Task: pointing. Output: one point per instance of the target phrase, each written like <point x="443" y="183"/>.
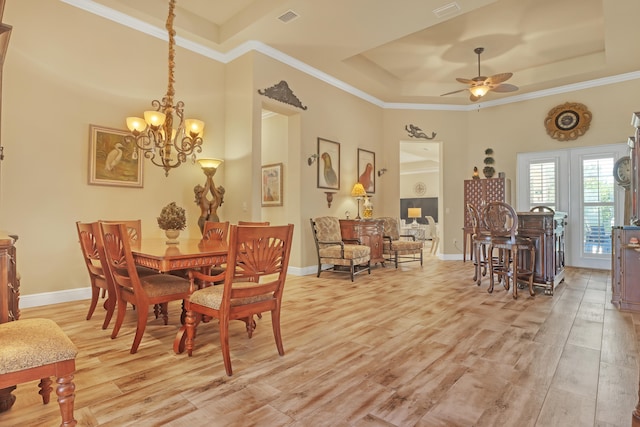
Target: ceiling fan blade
<point x="455" y="91"/>
<point x="464" y="81"/>
<point x="498" y="78"/>
<point x="505" y="87"/>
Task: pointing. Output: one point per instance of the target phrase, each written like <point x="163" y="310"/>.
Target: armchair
<point x="344" y="256"/>
<point x="396" y="248"/>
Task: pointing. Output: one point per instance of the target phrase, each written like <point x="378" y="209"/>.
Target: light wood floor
<point x="413" y="347"/>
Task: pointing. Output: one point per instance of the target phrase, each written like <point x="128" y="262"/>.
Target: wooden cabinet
<point x="625" y="268"/>
<point x="368" y="231"/>
<point x="479" y="192"/>
<point x="547" y="231"/>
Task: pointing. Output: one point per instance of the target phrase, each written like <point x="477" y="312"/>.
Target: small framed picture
<point x="272" y="185"/>
<point x="111" y="160"/>
<point x="366" y="170"/>
<point x="328" y="164"/>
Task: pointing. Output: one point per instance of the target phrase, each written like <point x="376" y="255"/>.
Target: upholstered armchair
<point x="343" y="256"/>
<point x="399" y="248"/>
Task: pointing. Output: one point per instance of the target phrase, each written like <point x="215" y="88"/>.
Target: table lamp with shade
<point x="414" y="213"/>
<point x="358" y="192"/>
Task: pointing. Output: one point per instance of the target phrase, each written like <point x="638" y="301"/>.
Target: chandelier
<point x="155" y="136"/>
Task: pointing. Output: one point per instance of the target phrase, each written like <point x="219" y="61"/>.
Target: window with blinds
<point x="542" y="184"/>
<point x="598" y="204"/>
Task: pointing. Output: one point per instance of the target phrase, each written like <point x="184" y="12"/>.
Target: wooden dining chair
<point x="254" y="223"/>
<point x="88" y="233"/>
<point x="253" y="283"/>
<point x="480" y="241"/>
<point x="130" y="287"/>
<point x="215" y="230"/>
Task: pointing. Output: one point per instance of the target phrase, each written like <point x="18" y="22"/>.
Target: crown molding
<point x="253" y="45"/>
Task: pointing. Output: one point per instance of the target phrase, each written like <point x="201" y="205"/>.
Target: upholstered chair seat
<point x="36" y="349"/>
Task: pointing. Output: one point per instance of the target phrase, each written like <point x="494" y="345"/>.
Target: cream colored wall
<point x="101" y="80"/>
<point x="61" y="75"/>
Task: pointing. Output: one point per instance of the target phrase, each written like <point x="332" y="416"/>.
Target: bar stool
<point x="502" y="222"/>
<point x="480" y="239"/>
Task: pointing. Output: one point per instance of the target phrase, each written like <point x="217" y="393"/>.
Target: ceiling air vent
<point x="288" y="16"/>
<point x="447" y="9"/>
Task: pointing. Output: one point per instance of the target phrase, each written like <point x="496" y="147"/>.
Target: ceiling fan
<point x="480" y="85"/>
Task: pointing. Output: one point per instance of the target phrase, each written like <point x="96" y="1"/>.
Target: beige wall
<point x="65" y="73"/>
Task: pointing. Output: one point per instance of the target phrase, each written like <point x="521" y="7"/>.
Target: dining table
<point x="188" y="253"/>
<point x="157" y="254"/>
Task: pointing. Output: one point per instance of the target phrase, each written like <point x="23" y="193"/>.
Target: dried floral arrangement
<point x="172" y="217"/>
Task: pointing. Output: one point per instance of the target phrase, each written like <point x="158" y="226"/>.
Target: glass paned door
<point x="598" y="205"/>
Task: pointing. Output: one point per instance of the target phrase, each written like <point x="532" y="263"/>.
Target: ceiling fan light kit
<point x="480" y="85"/>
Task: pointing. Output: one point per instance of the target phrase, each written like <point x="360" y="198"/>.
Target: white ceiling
<point x="401" y="51"/>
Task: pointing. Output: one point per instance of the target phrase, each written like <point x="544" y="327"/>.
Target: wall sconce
<point x="382" y="171"/>
<point x="312" y="158"/>
<point x="329" y="197"/>
<point x="209" y="207"/>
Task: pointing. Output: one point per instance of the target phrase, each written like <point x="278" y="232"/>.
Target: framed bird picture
<point x="111" y="160"/>
<point x="328" y="164"/>
<point x="366" y="169"/>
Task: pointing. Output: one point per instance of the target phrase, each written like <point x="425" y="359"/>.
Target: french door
<point x="578" y="181"/>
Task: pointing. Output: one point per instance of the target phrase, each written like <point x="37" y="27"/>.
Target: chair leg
<point x="514" y="269"/>
<point x="140" y="327"/>
<point x="45" y="389"/>
<point x="532" y="251"/>
<point x="66" y="397"/>
<point x="95" y="294"/>
<point x="421" y="258"/>
<point x="191" y="322"/>
<point x="224" y="345"/>
<point x="275" y="324"/>
<point x="122" y="309"/>
<point x="110" y="307"/>
<point x="490" y="257"/>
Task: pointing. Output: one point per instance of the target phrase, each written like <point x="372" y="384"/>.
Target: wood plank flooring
<point x="408" y="347"/>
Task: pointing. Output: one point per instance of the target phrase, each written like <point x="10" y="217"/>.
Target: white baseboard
<point x="47" y="298"/>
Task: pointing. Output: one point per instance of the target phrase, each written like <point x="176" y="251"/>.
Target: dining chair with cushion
<point x="399" y="248"/>
<point x="517" y="254"/>
<point x="38" y="349"/>
<point x="100" y="282"/>
<point x="257" y="262"/>
<point x="342" y="256"/>
<point x="130" y="287"/>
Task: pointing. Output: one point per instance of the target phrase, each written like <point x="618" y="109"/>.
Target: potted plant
<point x="172" y="219"/>
<point x="488" y="169"/>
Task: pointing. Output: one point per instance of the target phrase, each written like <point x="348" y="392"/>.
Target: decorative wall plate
<point x="568" y="121"/>
<point x="420" y="188"/>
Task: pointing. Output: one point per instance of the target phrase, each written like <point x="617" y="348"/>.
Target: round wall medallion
<point x="420" y="188"/>
<point x="568" y="121"/>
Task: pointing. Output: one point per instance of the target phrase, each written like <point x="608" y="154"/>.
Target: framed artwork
<point x="111" y="160"/>
<point x="328" y="164"/>
<point x="272" y="185"/>
<point x="366" y="170"/>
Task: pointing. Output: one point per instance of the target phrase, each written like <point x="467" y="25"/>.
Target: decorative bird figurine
<point x="114" y="157"/>
<point x="330" y="176"/>
<point x="366" y="179"/>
